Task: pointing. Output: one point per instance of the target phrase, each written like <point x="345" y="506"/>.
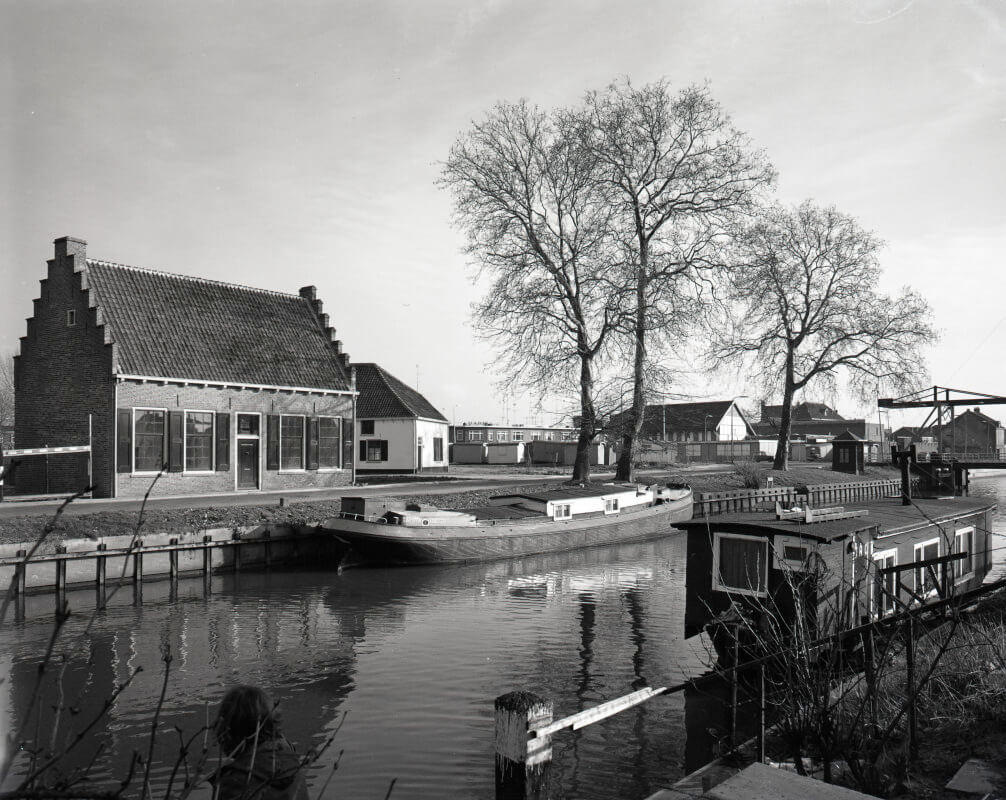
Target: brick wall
<point x="133" y="394"/>
<point x="64" y="372"/>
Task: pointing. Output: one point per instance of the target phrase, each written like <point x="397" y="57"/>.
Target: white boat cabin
<point x="579" y="502"/>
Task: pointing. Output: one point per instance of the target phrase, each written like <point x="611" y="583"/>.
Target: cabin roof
<point x="888" y="516"/>
<point x="571" y="493"/>
<point x="500" y="512"/>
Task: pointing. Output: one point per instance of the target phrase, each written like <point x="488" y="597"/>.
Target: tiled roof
<point x="658" y="419"/>
<point x="176" y="326"/>
<point x="382" y="395"/>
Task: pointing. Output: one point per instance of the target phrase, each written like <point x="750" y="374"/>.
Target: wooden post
<point x="870" y="667"/>
<point x="734" y="680"/>
<point x="913" y="743"/>
<point x="173" y="564"/>
<point x="138" y="573"/>
<point x="60" y="576"/>
<point x="522" y="762"/>
<point x="236" y="538"/>
<point x="99" y="576"/>
<point x="21" y="573"/>
<point x="906" y="480"/>
<point x="761" y="713"/>
<point x="268" y="548"/>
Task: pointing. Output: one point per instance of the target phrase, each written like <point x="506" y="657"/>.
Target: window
<point x="503" y="435"/>
<point x="474" y="436"/>
<point x="248" y="424"/>
<point x="375" y="450"/>
<point x="611" y="505"/>
<point x="366" y="427"/>
<point x="843" y="455"/>
<point x="561" y="511"/>
<point x="198" y="441"/>
<point x="924" y="584"/>
<point x="438" y="448"/>
<point x="291" y="442"/>
<point x="740" y="564"/>
<point x="964" y="542"/>
<point x="885" y="587"/>
<point x="149" y="434"/>
<point x="71" y="318"/>
<point x="329" y="442"/>
<point x="518" y="436"/>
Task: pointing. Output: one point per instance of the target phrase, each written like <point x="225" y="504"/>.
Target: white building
<point x="398" y="430"/>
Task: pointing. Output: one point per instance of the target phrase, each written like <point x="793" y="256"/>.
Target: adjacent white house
<point x="398" y="430"/>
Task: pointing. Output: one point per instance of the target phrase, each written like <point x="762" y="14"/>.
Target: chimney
<point x="344" y="357"/>
<point x="71" y="247"/>
<point x="309" y="292"/>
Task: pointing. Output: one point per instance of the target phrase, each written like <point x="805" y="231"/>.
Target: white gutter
<point x="258" y="387"/>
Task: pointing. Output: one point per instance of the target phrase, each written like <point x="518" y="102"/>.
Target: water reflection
<point x="412" y="656"/>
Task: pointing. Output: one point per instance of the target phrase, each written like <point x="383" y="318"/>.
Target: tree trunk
<point x="588" y="421"/>
<point x="786" y="421"/>
<point x="638" y="410"/>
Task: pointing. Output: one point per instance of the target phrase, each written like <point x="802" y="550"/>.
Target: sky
<point x="278" y="145"/>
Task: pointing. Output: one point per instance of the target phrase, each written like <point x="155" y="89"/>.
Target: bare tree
<point x="526" y="195"/>
<point x="805" y="309"/>
<point x="6" y="389"/>
<point x="677" y="171"/>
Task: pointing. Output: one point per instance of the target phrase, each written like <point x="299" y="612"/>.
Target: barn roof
<point x="382" y="395"/>
<point x="181" y="327"/>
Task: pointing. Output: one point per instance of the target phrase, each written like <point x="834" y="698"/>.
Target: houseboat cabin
<point x="579" y="503"/>
<point x="758" y="563"/>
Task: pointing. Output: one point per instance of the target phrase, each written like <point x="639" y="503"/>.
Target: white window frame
<point x="562" y="511"/>
<point x="185" y="441"/>
<point x="341" y="445"/>
<point x="303" y="445"/>
<point x="255" y="437"/>
<point x="719" y="536"/>
<point x="132" y="450"/>
<point x="610" y="505"/>
<point x="965" y="576"/>
<point x="878" y="558"/>
<point x="436" y="439"/>
<point x="518" y="436"/>
<point x="474" y="436"/>
<point x="918" y="552"/>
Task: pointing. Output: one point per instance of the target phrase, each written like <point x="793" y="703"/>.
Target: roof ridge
<point x="106" y="263"/>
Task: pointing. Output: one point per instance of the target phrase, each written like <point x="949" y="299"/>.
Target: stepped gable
<point x="382" y="395"/>
<point x="181" y="327"/>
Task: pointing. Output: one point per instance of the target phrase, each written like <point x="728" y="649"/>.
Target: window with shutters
<point x="149" y="431"/>
<point x="740" y="564"/>
<point x="438" y="448"/>
<point x="329" y="442"/>
<point x="291" y="442"/>
<point x="374" y="450"/>
<point x="198" y="441"/>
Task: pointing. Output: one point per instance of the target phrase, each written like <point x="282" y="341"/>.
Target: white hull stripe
<point x="45" y="451"/>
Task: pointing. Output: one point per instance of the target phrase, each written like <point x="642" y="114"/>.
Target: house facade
<point x="714" y="421"/>
<point x="970" y="432"/>
<point x="181" y="385"/>
<point x="399" y="430"/>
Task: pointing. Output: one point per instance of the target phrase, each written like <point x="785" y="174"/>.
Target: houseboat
<point x="379" y="530"/>
<point x="863" y="562"/>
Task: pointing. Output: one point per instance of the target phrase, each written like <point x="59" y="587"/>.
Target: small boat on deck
<point x="385" y="531"/>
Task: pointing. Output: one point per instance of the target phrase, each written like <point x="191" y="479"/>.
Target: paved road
<point x="20" y="508"/>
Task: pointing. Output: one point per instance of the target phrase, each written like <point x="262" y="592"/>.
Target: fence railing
<point x="742" y="500"/>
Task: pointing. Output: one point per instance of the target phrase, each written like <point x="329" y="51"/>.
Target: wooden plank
<point x="603" y="711"/>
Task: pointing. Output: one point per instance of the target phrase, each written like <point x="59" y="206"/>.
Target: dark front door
<point x="247" y="463"/>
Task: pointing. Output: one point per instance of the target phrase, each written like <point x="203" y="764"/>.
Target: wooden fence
<point x="747" y="500"/>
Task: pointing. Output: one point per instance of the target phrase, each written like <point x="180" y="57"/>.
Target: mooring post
<point x="60" y="575"/>
<point x="913" y="743"/>
<point x="173" y="563"/>
<point x="522" y="762"/>
<point x="99" y="576"/>
<point x="21" y="573"/>
<point x="268" y="548"/>
<point x="207" y="560"/>
<point x="236" y="539"/>
<point x="906" y="479"/>
<point x="138" y="573"/>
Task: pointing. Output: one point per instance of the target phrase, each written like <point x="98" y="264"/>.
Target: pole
<point x="913" y="742"/>
<point x="522" y="762"/>
<point x="761" y="713"/>
<point x="90" y="456"/>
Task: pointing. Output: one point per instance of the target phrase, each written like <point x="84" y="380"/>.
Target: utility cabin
<point x="843" y="566"/>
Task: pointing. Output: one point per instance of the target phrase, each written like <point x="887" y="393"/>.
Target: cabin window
<point x="291" y="443"/>
<point x="740" y="564"/>
<point x="964" y="542"/>
<point x="438" y="448"/>
<point x="924" y="584"/>
<point x="329" y="442"/>
<point x="561" y="511"/>
<point x="366" y="427"/>
<point x="885" y="587"/>
<point x="611" y="505"/>
<point x="198" y="441"/>
<point x="148" y="434"/>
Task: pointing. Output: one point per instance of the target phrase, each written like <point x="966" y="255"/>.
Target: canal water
<point x="402" y="665"/>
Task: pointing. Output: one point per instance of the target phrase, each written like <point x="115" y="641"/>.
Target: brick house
<point x="400" y="431"/>
<point x="214" y="386"/>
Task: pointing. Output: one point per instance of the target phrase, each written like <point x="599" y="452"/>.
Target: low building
<point x="712" y="421"/>
<point x="181" y="385"/>
<point x="486" y="432"/>
<point x="399" y="430"/>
